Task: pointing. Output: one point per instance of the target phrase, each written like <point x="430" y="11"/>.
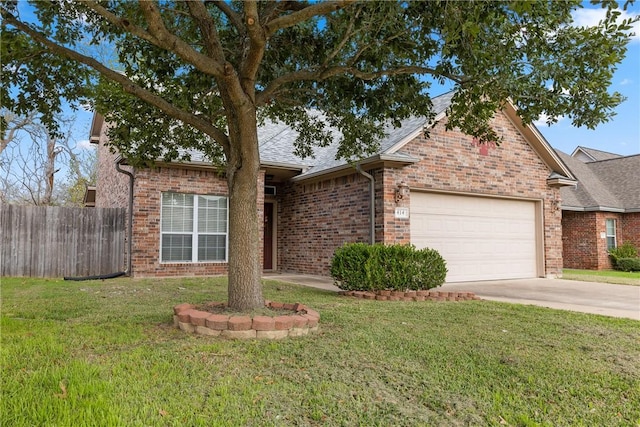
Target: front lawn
<point x="604" y="276"/>
<point x="105" y="353"/>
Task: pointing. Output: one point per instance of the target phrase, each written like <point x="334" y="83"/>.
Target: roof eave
<point x="595" y="209"/>
<point x="285" y="166"/>
<point x="385" y="159"/>
<point x="561" y="182"/>
<point x="538" y="142"/>
<point x="96" y="128"/>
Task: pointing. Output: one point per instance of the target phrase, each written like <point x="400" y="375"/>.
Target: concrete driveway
<point x="585" y="297"/>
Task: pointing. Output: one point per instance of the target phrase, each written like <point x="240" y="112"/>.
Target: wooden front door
<point x="268" y="237"/>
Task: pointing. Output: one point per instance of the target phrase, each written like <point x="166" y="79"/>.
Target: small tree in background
<point x="41" y="168"/>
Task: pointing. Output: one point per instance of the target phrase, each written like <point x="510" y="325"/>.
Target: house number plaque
<point x="402" y="213"/>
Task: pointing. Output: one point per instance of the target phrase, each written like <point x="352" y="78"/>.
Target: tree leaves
<point x="362" y="65"/>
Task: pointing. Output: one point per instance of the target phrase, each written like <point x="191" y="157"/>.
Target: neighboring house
<point x="493" y="212"/>
<point x="603" y="210"/>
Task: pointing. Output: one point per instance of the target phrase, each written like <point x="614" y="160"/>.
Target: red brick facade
<point x="318" y="217"/>
<point x="113" y="187"/>
<point x="450" y="161"/>
<point x="315" y="217"/>
<point x="630" y="228"/>
<point x="582" y="242"/>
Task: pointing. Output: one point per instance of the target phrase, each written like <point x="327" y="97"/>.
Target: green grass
<point x="105" y="353"/>
<point x="604" y="276"/>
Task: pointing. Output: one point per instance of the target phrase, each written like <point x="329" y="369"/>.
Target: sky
<point x="621" y="135"/>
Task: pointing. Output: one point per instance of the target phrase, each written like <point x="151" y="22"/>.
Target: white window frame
<point x="194" y="232"/>
<point x="610" y="236"/>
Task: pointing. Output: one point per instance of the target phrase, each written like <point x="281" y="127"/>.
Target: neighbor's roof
<point x="611" y="185"/>
<point x="592" y="154"/>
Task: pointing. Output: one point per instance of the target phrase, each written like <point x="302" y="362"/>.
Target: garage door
<point x="481" y="238"/>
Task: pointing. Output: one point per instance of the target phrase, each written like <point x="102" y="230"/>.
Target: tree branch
<point x="255" y="51"/>
<point x="127" y="84"/>
<point x="345" y="38"/>
<point x="18" y="123"/>
<point x="159" y="36"/>
<point x="327" y="73"/>
<point x="315" y="9"/>
<point x="231" y="14"/>
<point x="207" y="29"/>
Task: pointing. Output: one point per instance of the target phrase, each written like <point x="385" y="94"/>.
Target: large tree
<point x="203" y="73"/>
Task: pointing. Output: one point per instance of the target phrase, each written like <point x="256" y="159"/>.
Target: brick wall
<point x="112" y="190"/>
<point x="390" y="229"/>
<point x="629" y="227"/>
<point x="583" y="246"/>
<point x="314" y="219"/>
<point x="579" y="240"/>
<point x="148" y="188"/>
<point x="604" y="262"/>
<point x="451" y="162"/>
<point x="112" y="187"/>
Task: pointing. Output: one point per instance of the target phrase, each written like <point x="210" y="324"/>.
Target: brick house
<point x="493" y="212"/>
<point x="603" y="210"/>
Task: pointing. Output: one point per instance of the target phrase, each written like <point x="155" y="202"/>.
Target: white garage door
<point x="481" y="238"/>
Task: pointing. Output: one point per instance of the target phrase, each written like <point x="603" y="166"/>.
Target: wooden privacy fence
<point x="40" y="241"/>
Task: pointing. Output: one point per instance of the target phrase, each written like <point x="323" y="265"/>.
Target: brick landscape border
<point x="300" y="322"/>
<point x="412" y="295"/>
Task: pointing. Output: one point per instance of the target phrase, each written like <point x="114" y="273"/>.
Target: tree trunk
<point x="243" y="166"/>
<point x="49" y="171"/>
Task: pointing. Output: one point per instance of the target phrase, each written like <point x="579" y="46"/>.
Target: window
<point x="193" y="228"/>
<point x="611" y="233"/>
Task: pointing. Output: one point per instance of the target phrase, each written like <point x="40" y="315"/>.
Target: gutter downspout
<point x="372" y="204"/>
<point x="130" y="215"/>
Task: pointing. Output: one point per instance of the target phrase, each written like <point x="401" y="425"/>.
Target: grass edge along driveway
<point x="105" y="353"/>
<point x="603" y="276"/>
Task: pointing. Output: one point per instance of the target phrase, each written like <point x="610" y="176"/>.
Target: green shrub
<point x="624" y="251"/>
<point x="363" y="267"/>
<point x="628" y="264"/>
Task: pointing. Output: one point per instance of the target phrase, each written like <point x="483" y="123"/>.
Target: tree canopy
<point x="205" y="72"/>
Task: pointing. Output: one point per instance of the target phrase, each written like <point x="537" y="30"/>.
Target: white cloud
<point x="84" y="145"/>
<point x="625" y="82"/>
<point x="591" y="17"/>
<point x="543" y="119"/>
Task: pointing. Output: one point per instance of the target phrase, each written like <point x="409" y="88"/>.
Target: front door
<point x="268" y="237"/>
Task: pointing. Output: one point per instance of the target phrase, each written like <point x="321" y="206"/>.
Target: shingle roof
<point x="605" y="185"/>
<point x="276" y="142"/>
<point x="595" y="155"/>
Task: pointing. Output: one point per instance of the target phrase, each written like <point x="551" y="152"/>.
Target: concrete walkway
<point x="586" y="297"/>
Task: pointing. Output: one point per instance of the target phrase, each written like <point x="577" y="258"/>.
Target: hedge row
<point x="363" y="267"/>
<point x="628" y="264"/>
<point x="625" y="257"/>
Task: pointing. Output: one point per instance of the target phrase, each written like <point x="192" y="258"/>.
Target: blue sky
<point x="620" y="135"/>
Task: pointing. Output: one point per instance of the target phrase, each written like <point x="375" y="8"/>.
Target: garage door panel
<point x="480" y="238"/>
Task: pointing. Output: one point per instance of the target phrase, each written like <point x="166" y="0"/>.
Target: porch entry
<point x="268" y="237"/>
